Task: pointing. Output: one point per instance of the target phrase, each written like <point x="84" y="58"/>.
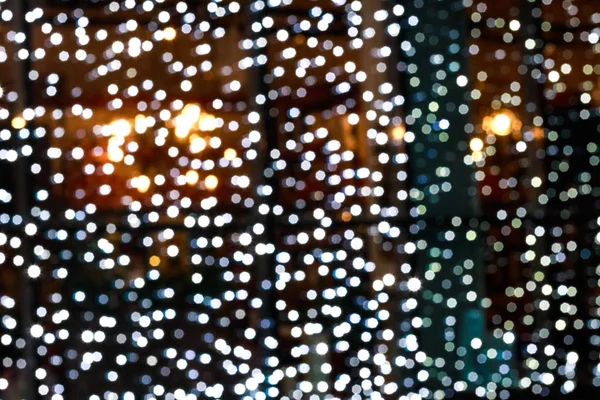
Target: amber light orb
<point x="18" y="123"/>
<point x="501" y="123"/>
<point x="207" y="122"/>
<point x="398" y="133"/>
<point x="476" y="144"/>
<point x="141" y="183"/>
<point x="211" y="182"/>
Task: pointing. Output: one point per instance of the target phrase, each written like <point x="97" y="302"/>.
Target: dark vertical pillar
<point x="443" y="202"/>
<point x="532" y="47"/>
<point x="23" y="200"/>
<point x="267" y="192"/>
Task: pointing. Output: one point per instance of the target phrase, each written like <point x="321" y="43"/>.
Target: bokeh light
<point x="288" y="199"/>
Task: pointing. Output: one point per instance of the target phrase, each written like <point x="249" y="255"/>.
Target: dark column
<point x="265" y="177"/>
<point x="444" y="247"/>
<point x="23" y="200"/>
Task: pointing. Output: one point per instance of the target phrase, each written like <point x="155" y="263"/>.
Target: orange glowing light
<point x="538" y="132"/>
<point x="155" y="261"/>
<point x="207" y="122"/>
<point x="140" y="124"/>
<point x="141" y="183"/>
<point x="18" y="123"/>
<point x="192" y="177"/>
<point x="211" y="182"/>
<point x="230" y="154"/>
<point x="197" y="144"/>
<point x="170" y="33"/>
<point x="476" y="144"/>
<point x="398" y="133"/>
<point x="182" y="131"/>
<point x="120" y="127"/>
<point x="501" y="125"/>
<point x="115" y="154"/>
<point x="192" y="110"/>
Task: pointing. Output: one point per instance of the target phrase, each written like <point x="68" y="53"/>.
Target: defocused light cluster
<point x="335" y="199"/>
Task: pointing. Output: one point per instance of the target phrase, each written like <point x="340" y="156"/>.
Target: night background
<point x="299" y="199"/>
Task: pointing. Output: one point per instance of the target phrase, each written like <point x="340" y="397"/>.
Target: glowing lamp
<point x="18" y="123"/>
<point x="197" y="144"/>
<point x="170" y="33"/>
<point x="192" y="111"/>
<point x="140" y="124"/>
<point x="141" y="183"/>
<point x="398" y="133"/>
<point x="192" y="177"/>
<point x="115" y="154"/>
<point x="476" y="144"/>
<point x="211" y="182"/>
<point x="230" y="154"/>
<point x="502" y="123"/>
<point x="120" y="127"/>
<point x="207" y="123"/>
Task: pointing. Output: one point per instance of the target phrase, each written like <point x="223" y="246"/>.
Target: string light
<point x="345" y="193"/>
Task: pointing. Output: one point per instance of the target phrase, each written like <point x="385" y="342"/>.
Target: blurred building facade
<point x="298" y="199"/>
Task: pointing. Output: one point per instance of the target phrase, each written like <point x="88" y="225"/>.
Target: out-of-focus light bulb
<point x="115" y="154"/>
<point x="501" y="124"/>
<point x="398" y="133"/>
<point x="140" y="124"/>
<point x="192" y="177"/>
<point x="120" y="127"/>
<point x="207" y="122"/>
<point x="197" y="144"/>
<point x="192" y="110"/>
<point x="18" y="123"/>
<point x="230" y="154"/>
<point x="211" y="182"/>
<point x="476" y="144"/>
<point x="141" y="183"/>
<point x="170" y="33"/>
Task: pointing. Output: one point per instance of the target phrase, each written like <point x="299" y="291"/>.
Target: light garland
<point x="344" y="199"/>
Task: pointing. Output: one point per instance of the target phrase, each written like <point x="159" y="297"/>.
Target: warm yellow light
<point x="182" y="131"/>
<point x="197" y="144"/>
<point x="155" y="261"/>
<point x="230" y="154"/>
<point x="141" y="183"/>
<point x="211" y="182"/>
<point x="398" y="133"/>
<point x="476" y="144"/>
<point x="140" y="123"/>
<point x="477" y="156"/>
<point x="207" y="122"/>
<point x="192" y="110"/>
<point x="116" y="141"/>
<point x="501" y="124"/>
<point x="170" y="33"/>
<point x="18" y="123"/>
<point x="115" y="154"/>
<point x="538" y="132"/>
<point x="192" y="177"/>
<point x="1" y="92"/>
<point x="120" y="127"/>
